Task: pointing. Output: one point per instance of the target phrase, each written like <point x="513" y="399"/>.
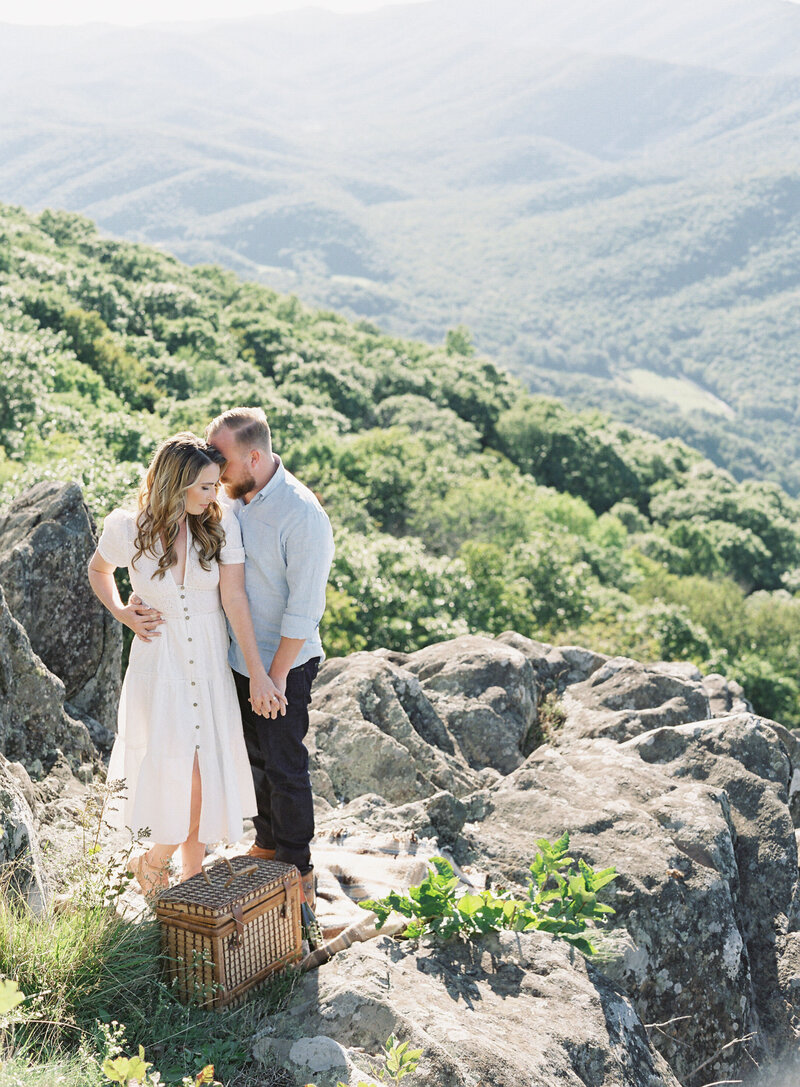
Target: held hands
<point x="142" y="620"/>
<point x="267" y="696"/>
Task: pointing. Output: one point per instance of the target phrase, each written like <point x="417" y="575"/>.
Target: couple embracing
<point x="213" y="714"/>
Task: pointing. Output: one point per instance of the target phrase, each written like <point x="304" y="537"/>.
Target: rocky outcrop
<point x="374" y="730"/>
<point x="482" y="1013"/>
<point x="20" y="860"/>
<point x="698" y="975"/>
<point x="46" y="539"/>
<point x="692" y="805"/>
<point x="696" y="820"/>
<point x="623" y="698"/>
<point x="450" y="718"/>
<point x="34" y="726"/>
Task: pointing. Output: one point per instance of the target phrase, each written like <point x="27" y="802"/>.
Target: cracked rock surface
<point x="514" y="1009"/>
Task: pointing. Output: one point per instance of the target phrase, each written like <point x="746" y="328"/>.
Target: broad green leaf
<point x="11" y="996"/>
<point x="115" y="1071"/>
<point x="582" y="944"/>
<point x="561" y="845"/>
<point x="442" y="866"/>
<point x="469" y="904"/>
<point x="600" y="879"/>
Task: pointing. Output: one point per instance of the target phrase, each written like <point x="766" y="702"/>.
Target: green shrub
<point x="561" y="899"/>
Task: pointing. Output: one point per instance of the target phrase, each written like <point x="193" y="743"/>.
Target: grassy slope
<point x="460" y="502"/>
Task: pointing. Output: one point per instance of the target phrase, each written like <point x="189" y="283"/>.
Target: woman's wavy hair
<point x="177" y="463"/>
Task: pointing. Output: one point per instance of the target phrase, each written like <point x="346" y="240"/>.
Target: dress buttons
<point x="191" y="662"/>
<point x="193" y="683"/>
<point x="197" y="747"/>
<point x="194" y="704"/>
<point x="188" y="640"/>
<point x="187" y="618"/>
<point x="197" y="726"/>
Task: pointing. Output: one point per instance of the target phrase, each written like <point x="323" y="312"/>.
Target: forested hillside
<point x="607" y="195"/>
<point x="460" y="502"/>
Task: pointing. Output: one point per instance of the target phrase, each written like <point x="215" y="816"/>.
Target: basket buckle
<point x="238" y="917"/>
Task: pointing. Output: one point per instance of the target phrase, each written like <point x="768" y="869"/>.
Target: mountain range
<point x="607" y="196"/>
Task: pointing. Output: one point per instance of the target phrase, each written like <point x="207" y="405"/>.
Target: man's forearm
<point x="238" y="612"/>
<point x="283" y="661"/>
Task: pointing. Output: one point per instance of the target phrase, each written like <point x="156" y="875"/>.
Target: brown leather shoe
<point x="309" y="887"/>
<point x="257" y="850"/>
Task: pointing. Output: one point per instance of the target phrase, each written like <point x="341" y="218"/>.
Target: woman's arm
<point x="101" y="579"/>
<point x="265" y="698"/>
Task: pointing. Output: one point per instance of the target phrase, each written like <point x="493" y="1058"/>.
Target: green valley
<point x="460" y="501"/>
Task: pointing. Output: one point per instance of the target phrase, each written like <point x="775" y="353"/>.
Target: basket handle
<point x="235" y="875"/>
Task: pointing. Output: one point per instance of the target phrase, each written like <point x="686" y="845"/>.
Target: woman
<point x="179" y="743"/>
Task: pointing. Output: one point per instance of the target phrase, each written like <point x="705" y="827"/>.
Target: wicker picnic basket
<point x="230" y="927"/>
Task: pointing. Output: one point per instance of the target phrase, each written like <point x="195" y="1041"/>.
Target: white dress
<point x="178" y="699"/>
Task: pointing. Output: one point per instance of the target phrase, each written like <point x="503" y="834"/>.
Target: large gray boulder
<point x="47" y="537"/>
<point x="695" y="818"/>
<point x="743" y="760"/>
<point x="450" y="717"/>
<point x="556" y="667"/>
<point x="374" y="730"/>
<point x="623" y="698"/>
<point x="20" y="860"/>
<point x="512" y="1009"/>
<point x="34" y="726"/>
<point x="486" y="694"/>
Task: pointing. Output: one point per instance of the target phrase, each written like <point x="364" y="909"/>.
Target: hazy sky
<point x="131" y="12"/>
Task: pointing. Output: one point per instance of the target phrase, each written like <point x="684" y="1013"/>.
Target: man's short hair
<point x="249" y="424"/>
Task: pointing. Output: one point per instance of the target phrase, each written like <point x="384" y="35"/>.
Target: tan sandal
<point x="152" y="879"/>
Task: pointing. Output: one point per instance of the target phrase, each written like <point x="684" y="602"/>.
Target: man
<point x="289" y="549"/>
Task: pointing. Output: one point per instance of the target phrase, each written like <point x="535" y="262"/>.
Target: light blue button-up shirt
<point x="288" y="544"/>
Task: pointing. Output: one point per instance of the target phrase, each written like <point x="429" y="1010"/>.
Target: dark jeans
<point x="279" y="761"/>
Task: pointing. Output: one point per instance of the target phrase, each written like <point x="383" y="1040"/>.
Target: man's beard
<point x="240" y="489"/>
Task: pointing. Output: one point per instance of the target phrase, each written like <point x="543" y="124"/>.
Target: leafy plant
<point x="400" y="1061"/>
<point x="561" y="899"/>
<point x="136" y="1071"/>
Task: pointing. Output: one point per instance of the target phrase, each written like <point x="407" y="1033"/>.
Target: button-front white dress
<point x="178" y="699"/>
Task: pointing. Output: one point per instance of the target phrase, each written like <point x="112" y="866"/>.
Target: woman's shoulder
<point x="229" y="519"/>
<point x="116" y="543"/>
<point x="232" y="549"/>
<point x="121" y="519"/>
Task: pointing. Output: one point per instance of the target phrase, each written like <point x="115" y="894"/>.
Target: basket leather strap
<point x="288" y="881"/>
<point x="238" y="917"/>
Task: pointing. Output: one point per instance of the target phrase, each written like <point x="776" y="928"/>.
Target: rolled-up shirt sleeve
<point x="309" y="553"/>
<point x="233" y="549"/>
